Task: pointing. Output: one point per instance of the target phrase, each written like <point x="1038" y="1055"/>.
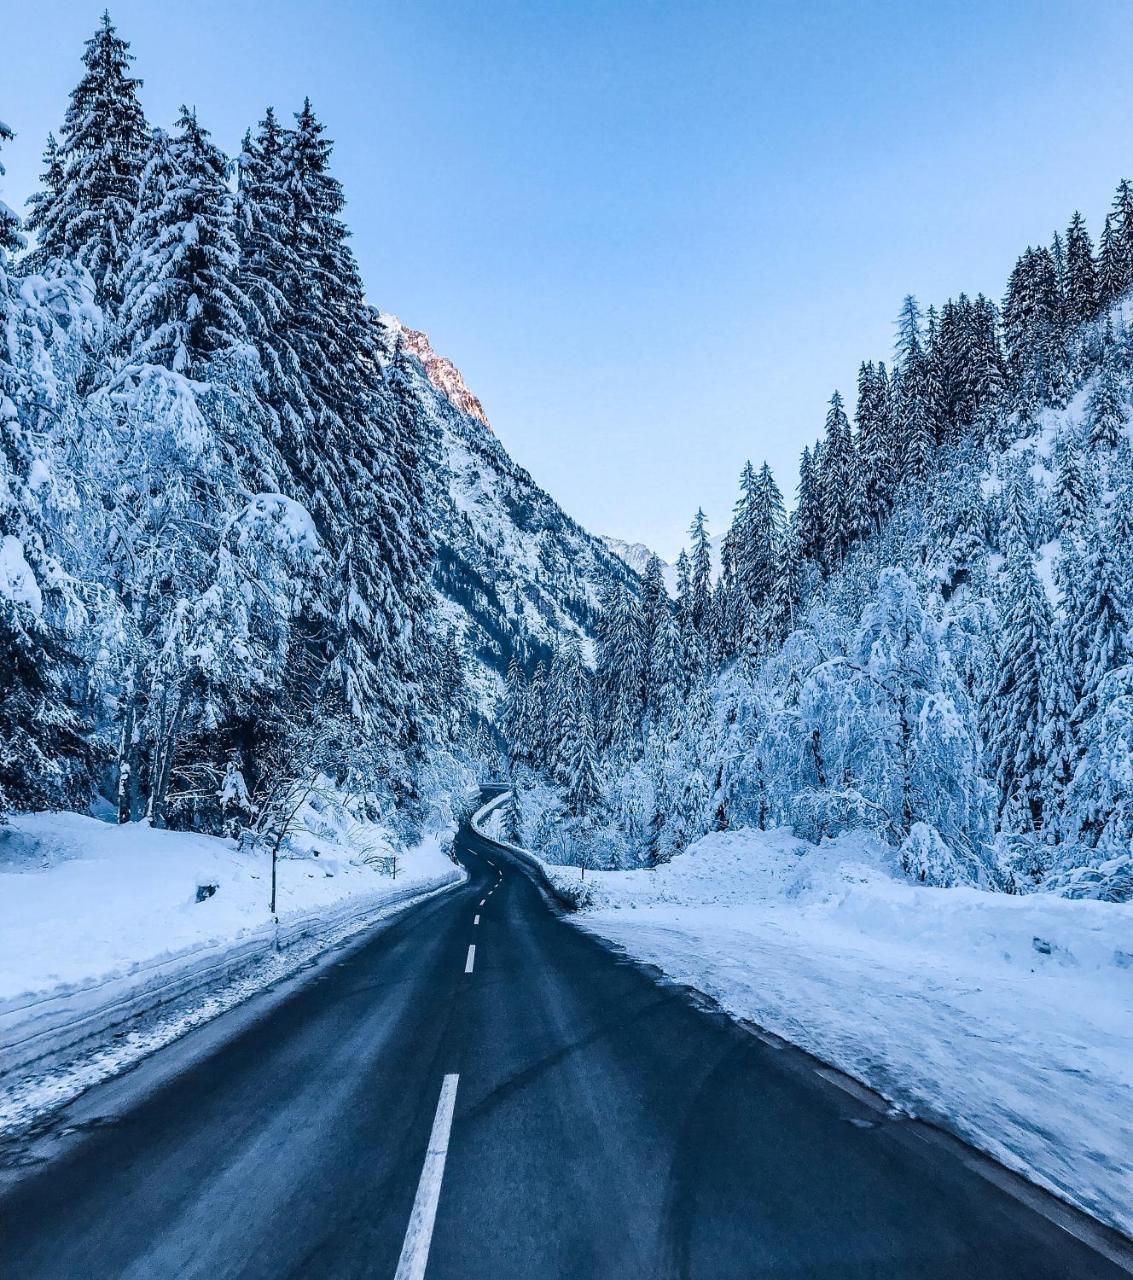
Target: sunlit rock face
<point x="442" y="373"/>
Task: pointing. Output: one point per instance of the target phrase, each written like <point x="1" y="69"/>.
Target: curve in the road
<point x="598" y="1124"/>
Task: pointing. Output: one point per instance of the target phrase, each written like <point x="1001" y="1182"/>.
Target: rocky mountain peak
<point x="441" y="371"/>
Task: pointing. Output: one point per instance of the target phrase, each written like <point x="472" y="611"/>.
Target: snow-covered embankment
<point x="1007" y="1020"/>
<point x="114" y="940"/>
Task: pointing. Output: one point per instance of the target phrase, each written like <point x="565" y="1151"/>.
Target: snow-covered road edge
<point x="55" y="1045"/>
<point x="631" y="936"/>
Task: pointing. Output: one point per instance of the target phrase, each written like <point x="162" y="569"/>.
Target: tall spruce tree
<point x="840" y="486"/>
<point x="654" y="599"/>
<point x="182" y="302"/>
<point x="808" y="507"/>
<point x="1106" y="405"/>
<point x="1016" y="717"/>
<point x="1081" y="273"/>
<point x="584" y="788"/>
<point x="270" y="273"/>
<point x="1034" y="337"/>
<point x="621" y="672"/>
<point x="103" y="143"/>
<point x="1112" y="274"/>
<point x="700" y="573"/>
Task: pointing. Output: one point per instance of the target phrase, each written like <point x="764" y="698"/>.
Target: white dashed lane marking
<point x="419" y="1233"/>
<point x="476" y="921"/>
<point x="471" y="959"/>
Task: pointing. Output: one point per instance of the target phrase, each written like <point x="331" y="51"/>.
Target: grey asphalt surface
<point x="605" y="1126"/>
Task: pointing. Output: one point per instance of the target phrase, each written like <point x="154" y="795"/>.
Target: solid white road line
<point x="471" y="959"/>
<point x="419" y="1233"/>
<point x="476" y="921"/>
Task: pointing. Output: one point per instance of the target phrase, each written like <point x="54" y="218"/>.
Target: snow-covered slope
<point x="1007" y="1019"/>
<point x="516" y="573"/>
<point x="636" y="554"/>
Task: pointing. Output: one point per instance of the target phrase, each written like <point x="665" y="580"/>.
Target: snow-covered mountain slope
<point x="442" y="373"/>
<point x="637" y="555"/>
<point x="515" y="572"/>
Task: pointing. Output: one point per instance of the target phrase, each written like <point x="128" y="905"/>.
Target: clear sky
<point x="654" y="236"/>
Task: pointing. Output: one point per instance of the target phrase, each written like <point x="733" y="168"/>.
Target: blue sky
<point x="653" y="236"/>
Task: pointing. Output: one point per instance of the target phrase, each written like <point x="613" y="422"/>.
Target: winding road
<point x="479" y="1090"/>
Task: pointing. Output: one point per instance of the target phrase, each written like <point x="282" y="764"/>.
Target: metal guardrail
<point x="46" y="1028"/>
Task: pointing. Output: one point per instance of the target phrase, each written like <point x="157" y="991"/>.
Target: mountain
<point x="637" y="555"/>
<point x="441" y="372"/>
<point x="516" y="574"/>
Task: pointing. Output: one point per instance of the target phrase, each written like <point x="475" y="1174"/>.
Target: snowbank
<point x="1008" y="1020"/>
<point x="100" y="924"/>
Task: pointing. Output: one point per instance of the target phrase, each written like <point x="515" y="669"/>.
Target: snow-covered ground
<point x="113" y="940"/>
<point x="1008" y="1020"/>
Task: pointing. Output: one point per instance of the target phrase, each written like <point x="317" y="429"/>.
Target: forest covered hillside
<point x="933" y="646"/>
<point x="253" y="532"/>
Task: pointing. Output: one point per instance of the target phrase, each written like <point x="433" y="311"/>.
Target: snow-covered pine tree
<point x="1102" y="638"/>
<point x="512" y="821"/>
<point x="584" y="788"/>
<point x="514" y="717"/>
<point x="182" y="301"/>
<point x="1107" y="402"/>
<point x="1017" y="730"/>
<point x="684" y="588"/>
<point x="840" y="486"/>
<point x="654" y="599"/>
<point x="666" y="677"/>
<point x="785" y="603"/>
<point x="269" y="273"/>
<point x="386" y="477"/>
<point x="1081" y="273"/>
<point x="873" y="439"/>
<point x="737" y="553"/>
<point x="1059" y="698"/>
<point x="1071" y="496"/>
<point x="101" y="153"/>
<point x="621" y="673"/>
<point x="564" y="687"/>
<point x="1110" y="265"/>
<point x="52" y="179"/>
<point x="537" y="715"/>
<point x="700" y="580"/>
<point x="808" y="507"/>
<point x="1034" y="339"/>
<point x="1121" y="272"/>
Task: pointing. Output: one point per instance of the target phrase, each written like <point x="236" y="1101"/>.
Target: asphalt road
<point x="601" y="1125"/>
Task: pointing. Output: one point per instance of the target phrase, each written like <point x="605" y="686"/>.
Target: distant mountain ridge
<point x="637" y="555"/>
<point x="515" y="573"/>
